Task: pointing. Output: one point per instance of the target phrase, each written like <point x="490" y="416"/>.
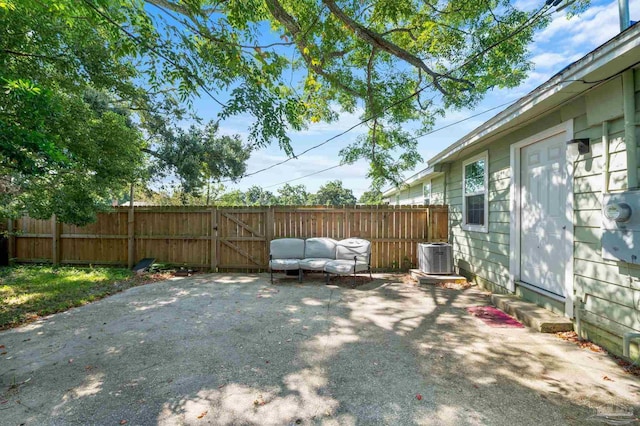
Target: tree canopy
<point x="281" y="64"/>
<point x="394" y="61"/>
<point x="197" y="156"/>
<point x="372" y="197"/>
<point x="79" y="121"/>
<point x="333" y="194"/>
<point x="292" y="195"/>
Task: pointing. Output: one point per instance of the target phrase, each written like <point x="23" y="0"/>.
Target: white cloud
<point x="299" y="166"/>
<point x="564" y="41"/>
<point x="583" y="32"/>
<point x="527" y="5"/>
<point x="355" y="174"/>
<point x="548" y="60"/>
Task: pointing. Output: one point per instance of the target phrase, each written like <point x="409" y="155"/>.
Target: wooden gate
<point x="241" y="239"/>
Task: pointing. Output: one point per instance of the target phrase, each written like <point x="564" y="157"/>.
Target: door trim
<point x="515" y="207"/>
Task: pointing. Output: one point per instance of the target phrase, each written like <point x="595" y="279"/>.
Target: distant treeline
<point x="331" y="194"/>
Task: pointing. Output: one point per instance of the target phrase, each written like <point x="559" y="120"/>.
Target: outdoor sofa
<point x="326" y="255"/>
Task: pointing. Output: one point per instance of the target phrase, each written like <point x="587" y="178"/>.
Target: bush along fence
<point x="224" y="238"/>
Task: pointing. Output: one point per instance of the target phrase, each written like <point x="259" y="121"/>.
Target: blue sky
<point x="559" y="44"/>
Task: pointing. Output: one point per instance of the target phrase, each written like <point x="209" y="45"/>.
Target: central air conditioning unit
<point x="435" y="258"/>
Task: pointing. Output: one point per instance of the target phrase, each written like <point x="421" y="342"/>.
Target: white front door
<point x="543" y="214"/>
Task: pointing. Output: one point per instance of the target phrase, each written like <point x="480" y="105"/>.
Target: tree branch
<point x="155" y="50"/>
<point x="208" y="36"/>
<point x="401" y="30"/>
<point x="376" y="39"/>
<point x="371" y="101"/>
<point x="152" y="153"/>
<point x="289" y="22"/>
<point x="180" y="8"/>
<point x="32" y="55"/>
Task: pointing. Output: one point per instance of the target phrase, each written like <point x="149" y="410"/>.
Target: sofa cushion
<point x="345" y="266"/>
<point x="314" y="264"/>
<point x="287" y="248"/>
<point x="284" y="264"/>
<point x="347" y="249"/>
<point x="321" y="248"/>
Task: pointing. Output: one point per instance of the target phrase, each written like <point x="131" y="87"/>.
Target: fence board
<point x="228" y="238"/>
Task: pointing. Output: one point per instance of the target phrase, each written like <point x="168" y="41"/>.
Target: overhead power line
<point x="430" y="132"/>
<point x="528" y="120"/>
<point x="415" y="137"/>
<point x="310" y="174"/>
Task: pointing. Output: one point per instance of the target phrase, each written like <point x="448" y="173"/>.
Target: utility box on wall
<point x="621" y="227"/>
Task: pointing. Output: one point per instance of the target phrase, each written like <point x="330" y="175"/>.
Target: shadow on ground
<point x="234" y="349"/>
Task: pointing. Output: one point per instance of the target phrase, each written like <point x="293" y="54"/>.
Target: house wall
<point x="409" y="195"/>
<point x="412" y="194"/>
<point x="607" y="292"/>
<point x="437" y="190"/>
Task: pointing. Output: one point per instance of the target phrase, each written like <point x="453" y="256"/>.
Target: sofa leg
<point x="370" y="276"/>
<point x="299" y="275"/>
<point x="326" y="278"/>
<point x="271" y="272"/>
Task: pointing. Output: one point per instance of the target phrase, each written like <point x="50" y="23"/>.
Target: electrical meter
<point x="618" y="212"/>
<point x="621" y="226"/>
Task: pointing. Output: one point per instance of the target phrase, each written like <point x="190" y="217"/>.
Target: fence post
<point x="429" y="225"/>
<point x="445" y="223"/>
<point x="214" y="238"/>
<point x="11" y="246"/>
<point x="268" y="229"/>
<point x="345" y="218"/>
<point x="131" y="247"/>
<point x="55" y="240"/>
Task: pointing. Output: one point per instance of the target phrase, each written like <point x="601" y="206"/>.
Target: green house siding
<point x="437" y="190"/>
<point x="607" y="293"/>
<point x="484" y="257"/>
<point x="413" y="193"/>
<point x="409" y="195"/>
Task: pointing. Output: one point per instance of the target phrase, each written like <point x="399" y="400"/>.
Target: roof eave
<point x="563" y="82"/>
<point x="423" y="175"/>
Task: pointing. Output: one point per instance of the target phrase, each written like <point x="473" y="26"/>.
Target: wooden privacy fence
<point x="224" y="238"/>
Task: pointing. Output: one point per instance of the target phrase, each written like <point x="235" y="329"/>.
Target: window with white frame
<point x="426" y="193"/>
<point x="475" y="200"/>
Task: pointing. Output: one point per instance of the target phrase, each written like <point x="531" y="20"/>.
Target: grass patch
<point x="28" y="292"/>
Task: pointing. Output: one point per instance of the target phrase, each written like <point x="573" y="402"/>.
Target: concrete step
<point x="423" y="278"/>
<point x="531" y="314"/>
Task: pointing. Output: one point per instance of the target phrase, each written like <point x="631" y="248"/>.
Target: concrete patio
<point x="232" y="349"/>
